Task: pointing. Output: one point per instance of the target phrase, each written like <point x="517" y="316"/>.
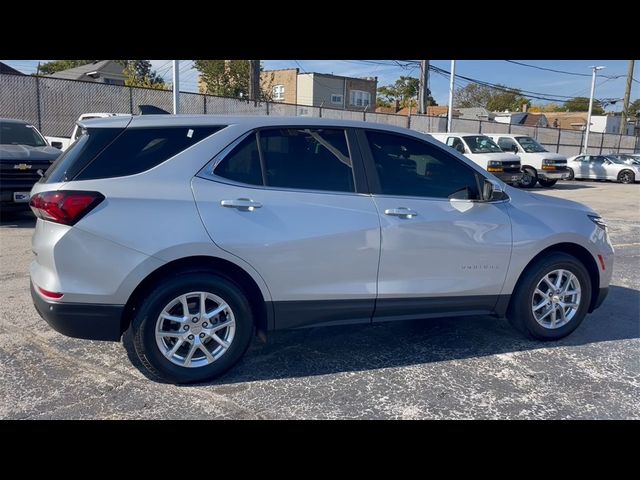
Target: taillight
<point x="64" y="206"/>
<point x="51" y="295"/>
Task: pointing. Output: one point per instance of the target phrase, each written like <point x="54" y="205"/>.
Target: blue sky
<point x="556" y="85"/>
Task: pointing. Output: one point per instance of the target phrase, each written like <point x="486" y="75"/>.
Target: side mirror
<point x="514" y="148"/>
<point x="57" y="145"/>
<point x="460" y="148"/>
<point x="492" y="191"/>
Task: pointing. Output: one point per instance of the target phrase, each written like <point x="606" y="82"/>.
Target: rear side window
<point x="139" y="149"/>
<point x="243" y="163"/>
<point x="80" y="153"/>
<point x="307" y="158"/>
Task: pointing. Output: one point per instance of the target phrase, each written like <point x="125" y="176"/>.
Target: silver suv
<point x="190" y="233"/>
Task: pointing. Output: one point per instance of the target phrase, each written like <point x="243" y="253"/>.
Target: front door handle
<point x="243" y="204"/>
<point x="401" y="212"/>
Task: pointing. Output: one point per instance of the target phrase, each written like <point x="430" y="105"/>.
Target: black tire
<point x="144" y="324"/>
<point x="529" y="177"/>
<point x="547" y="183"/>
<point x="519" y="312"/>
<point x="571" y="175"/>
<point x="626" y="176"/>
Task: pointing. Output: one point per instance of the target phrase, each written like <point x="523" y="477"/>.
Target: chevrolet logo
<point x="22" y="166"/>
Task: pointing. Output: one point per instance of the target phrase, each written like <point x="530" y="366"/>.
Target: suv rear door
<point x="441" y="250"/>
<point x="288" y="201"/>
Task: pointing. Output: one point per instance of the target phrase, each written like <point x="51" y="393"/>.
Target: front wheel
<point x="192" y="327"/>
<point x="552" y="297"/>
<point x="529" y="177"/>
<point x="626" y="176"/>
<point x="571" y="175"/>
<point x="547" y="183"/>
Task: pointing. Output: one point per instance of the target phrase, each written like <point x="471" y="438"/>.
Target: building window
<point x="336" y="99"/>
<point x="360" y="98"/>
<point x="278" y="92"/>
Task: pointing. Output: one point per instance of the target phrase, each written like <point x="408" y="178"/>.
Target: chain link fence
<point x="54" y="105"/>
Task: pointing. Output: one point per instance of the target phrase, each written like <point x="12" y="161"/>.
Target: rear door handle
<point x="243" y="204"/>
<point x="401" y="212"/>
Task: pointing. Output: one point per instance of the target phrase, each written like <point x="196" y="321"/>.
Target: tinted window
<point x="139" y="149"/>
<point x="20" y="134"/>
<point x="597" y="160"/>
<point x="530" y="145"/>
<point x="506" y="144"/>
<point x="80" y="153"/>
<point x="307" y="158"/>
<point x="242" y="164"/>
<point x="408" y="166"/>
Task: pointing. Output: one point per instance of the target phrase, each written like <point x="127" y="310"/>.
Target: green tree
<point x="226" y="78"/>
<point x="57" y="65"/>
<point x="581" y="104"/>
<point x="634" y="108"/>
<point x="138" y="73"/>
<point x="493" y="99"/>
<point x="404" y="90"/>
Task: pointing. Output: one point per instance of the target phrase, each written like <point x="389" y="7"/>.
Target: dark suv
<point x="23" y="151"/>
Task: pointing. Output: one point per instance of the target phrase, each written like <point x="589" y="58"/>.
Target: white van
<point x="62" y="143"/>
<point x="538" y="164"/>
<point x="483" y="151"/>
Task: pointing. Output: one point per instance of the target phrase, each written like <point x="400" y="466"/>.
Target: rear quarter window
<point x="139" y="149"/>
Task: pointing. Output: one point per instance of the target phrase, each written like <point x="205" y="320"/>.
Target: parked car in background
<point x="484" y="151"/>
<point x="603" y="167"/>
<point x="538" y="164"/>
<point x="625" y="158"/>
<point x="23" y="152"/>
<point x="196" y="231"/>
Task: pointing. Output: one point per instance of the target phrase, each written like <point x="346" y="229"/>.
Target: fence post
<point x="38" y="103"/>
<point x="131" y="100"/>
<point x="320" y="111"/>
<point x="204" y="104"/>
<point x="558" y="142"/>
<point x="509" y="131"/>
<point x="619" y="143"/>
<point x="480" y="126"/>
<point x="602" y="143"/>
<point x="408" y="121"/>
<point x="581" y="143"/>
<point x="267" y="104"/>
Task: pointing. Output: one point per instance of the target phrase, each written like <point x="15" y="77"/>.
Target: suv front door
<point x="286" y="201"/>
<point x="442" y="250"/>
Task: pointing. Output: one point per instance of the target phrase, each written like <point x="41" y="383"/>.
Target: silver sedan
<point x="602" y="167"/>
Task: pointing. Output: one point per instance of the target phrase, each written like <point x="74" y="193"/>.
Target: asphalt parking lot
<point x="447" y="368"/>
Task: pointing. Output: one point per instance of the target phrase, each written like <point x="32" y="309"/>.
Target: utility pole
<point x="627" y="94"/>
<point x="593" y="91"/>
<point x="176" y="87"/>
<point x="423" y="89"/>
<point x="451" y="85"/>
<point x="254" y="80"/>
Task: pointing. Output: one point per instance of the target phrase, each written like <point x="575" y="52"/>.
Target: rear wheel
<point x="571" y="175"/>
<point x="529" y="178"/>
<point x="192" y="328"/>
<point x="547" y="183"/>
<point x="626" y="176"/>
<point x="552" y="297"/>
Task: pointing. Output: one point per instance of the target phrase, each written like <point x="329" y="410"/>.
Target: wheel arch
<point x="262" y="313"/>
<point x="577" y="251"/>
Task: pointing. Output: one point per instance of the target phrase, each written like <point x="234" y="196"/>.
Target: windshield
<point x="20" y="134"/>
<point x="529" y="145"/>
<point x="481" y="144"/>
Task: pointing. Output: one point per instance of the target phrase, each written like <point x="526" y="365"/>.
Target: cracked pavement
<point x="469" y="367"/>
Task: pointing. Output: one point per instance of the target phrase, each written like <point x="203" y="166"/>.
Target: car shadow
<point x="330" y="350"/>
<point x="564" y="186"/>
<point x="23" y="219"/>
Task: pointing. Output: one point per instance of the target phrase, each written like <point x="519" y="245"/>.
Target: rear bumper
<point x="602" y="294"/>
<point x="81" y="320"/>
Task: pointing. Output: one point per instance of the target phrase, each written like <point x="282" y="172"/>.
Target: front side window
<point x="359" y="98"/>
<point x="410" y="167"/>
<point x="481" y="144"/>
<point x="278" y="92"/>
<point x="20" y="134"/>
<point x="597" y="160"/>
<point x="307" y="158"/>
<point x="456" y="143"/>
<point x="529" y="145"/>
<point x="507" y="144"/>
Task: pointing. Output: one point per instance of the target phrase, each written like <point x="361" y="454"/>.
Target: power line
<point x="561" y="71"/>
